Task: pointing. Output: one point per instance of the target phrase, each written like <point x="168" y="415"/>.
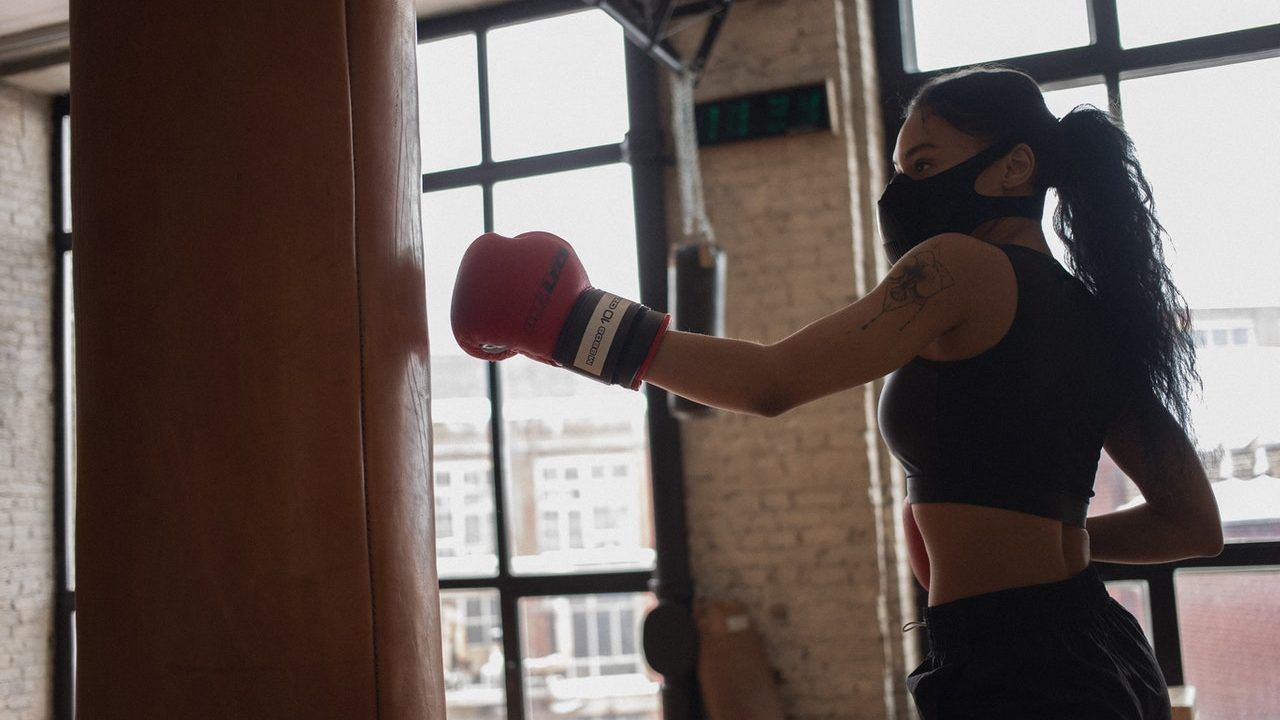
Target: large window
<point x="1191" y="81"/>
<point x="543" y="479"/>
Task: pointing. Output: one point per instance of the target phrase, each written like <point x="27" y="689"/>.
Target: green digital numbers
<point x="767" y="114"/>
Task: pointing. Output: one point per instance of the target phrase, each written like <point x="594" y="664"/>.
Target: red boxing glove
<point x="530" y="294"/>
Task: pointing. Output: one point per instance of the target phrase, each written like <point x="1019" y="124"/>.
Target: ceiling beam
<point x="35" y="49"/>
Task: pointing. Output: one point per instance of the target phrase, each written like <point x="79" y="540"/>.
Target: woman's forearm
<point x="1139" y="535"/>
<point x="721" y="372"/>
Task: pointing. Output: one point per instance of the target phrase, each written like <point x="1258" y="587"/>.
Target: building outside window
<point x="1189" y="82"/>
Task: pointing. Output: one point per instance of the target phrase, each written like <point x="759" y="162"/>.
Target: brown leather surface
<point x="396" y="376"/>
<point x="254" y="532"/>
<point x="734" y="674"/>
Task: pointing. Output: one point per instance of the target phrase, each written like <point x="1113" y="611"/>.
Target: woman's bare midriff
<point x="975" y="549"/>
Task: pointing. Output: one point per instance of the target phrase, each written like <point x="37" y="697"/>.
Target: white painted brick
<point x="26" y="413"/>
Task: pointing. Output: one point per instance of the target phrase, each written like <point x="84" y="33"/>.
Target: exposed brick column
<point x="794" y="516"/>
<point x="26" y="410"/>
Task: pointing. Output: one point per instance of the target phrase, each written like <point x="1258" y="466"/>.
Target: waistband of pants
<point x="955" y="625"/>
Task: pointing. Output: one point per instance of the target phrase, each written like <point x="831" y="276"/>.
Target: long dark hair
<point x="1106" y="218"/>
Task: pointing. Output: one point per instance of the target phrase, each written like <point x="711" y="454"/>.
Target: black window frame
<point x="642" y="149"/>
<point x="65" y="595"/>
<point x="1103" y="58"/>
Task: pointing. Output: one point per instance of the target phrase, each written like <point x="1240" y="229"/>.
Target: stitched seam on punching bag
<point x="364" y="454"/>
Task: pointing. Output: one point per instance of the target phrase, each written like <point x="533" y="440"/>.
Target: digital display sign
<point x="766" y="114"/>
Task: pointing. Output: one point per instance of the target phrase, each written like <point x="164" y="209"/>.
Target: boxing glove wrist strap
<point x="609" y="338"/>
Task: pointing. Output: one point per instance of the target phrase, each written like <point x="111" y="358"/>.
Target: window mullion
<point x="1114" y="104"/>
<point x="1104" y="19"/>
<point x="482" y="70"/>
<point x="509" y="600"/>
<point x="1105" y="22"/>
<point x="1164" y="625"/>
<point x="511" y="653"/>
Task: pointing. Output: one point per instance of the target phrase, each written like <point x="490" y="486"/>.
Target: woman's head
<point x="952" y="117"/>
<point x="962" y="162"/>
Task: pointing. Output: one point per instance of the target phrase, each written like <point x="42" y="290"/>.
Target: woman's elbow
<point x="769" y="406"/>
<point x="1213" y="541"/>
<point x="1211" y="531"/>
<point x="1201" y="535"/>
<point x="772" y="393"/>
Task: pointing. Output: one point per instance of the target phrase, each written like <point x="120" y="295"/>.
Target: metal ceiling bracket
<point x="648" y="24"/>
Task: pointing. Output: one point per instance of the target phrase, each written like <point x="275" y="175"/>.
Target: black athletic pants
<point x="1061" y="650"/>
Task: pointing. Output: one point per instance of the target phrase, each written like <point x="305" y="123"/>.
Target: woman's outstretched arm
<point x="722" y="372"/>
<point x="929" y="291"/>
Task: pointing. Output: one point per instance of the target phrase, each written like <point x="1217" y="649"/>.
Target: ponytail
<point x="1106" y="219"/>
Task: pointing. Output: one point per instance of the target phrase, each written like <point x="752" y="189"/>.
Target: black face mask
<point x="912" y="211"/>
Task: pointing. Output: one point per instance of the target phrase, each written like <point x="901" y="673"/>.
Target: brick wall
<point x="795" y="516"/>
<point x="26" y="412"/>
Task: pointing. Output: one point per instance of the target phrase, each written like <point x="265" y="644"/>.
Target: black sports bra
<point x="1019" y="426"/>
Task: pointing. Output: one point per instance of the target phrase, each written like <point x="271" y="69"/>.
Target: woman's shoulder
<point x="960" y="245"/>
<point x="991" y="292"/>
<point x="984" y="263"/>
<point x="1004" y="262"/>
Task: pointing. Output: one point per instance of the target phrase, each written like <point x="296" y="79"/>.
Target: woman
<point x="1007" y="375"/>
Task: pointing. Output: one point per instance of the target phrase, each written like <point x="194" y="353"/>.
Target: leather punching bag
<point x="695" y="278"/>
<point x="254" y="532"/>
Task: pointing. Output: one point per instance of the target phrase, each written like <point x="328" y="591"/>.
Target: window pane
<point x="573" y="665"/>
<point x="471" y="629"/>
<point x="1062" y="100"/>
<point x="69" y="412"/>
<point x="1135" y="596"/>
<point x="592" y="208"/>
<point x="1221" y="214"/>
<point x="563" y="430"/>
<point x="65" y="138"/>
<point x="1229" y="623"/>
<point x="950" y="33"/>
<point x="553" y="417"/>
<point x="1112" y="489"/>
<point x="557" y="84"/>
<point x="1143" y="22"/>
<point x="451" y="219"/>
<point x="460" y="407"/>
<point x="449" y="103"/>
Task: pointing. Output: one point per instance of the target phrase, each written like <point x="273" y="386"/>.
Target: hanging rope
<point x="693" y="207"/>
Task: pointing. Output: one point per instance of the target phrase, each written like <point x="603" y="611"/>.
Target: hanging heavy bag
<point x="695" y="278"/>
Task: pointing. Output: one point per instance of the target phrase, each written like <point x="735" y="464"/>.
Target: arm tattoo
<point x="919" y="279"/>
